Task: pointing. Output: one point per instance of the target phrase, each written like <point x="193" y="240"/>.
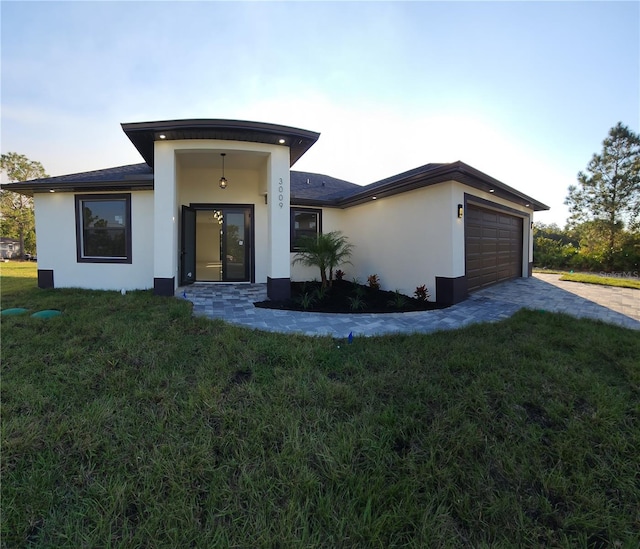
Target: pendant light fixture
<point x="223" y="179"/>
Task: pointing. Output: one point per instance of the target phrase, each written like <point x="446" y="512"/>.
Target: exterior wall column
<point x="165" y="231"/>
<point x="278" y="219"/>
<point x="451" y="283"/>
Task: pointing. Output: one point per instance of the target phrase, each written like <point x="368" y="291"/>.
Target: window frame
<point x="294" y="210"/>
<point x="80" y="199"/>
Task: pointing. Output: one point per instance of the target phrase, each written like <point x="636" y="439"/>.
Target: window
<point x="304" y="222"/>
<point x="103" y="228"/>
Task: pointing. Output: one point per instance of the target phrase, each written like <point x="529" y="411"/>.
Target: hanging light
<point x="223" y="179"/>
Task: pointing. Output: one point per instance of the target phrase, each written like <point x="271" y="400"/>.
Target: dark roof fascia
<point x="144" y="134"/>
<point x="455" y="171"/>
<point x="119" y="178"/>
<point x="315" y="202"/>
<point x="475" y="178"/>
<point x="29" y="188"/>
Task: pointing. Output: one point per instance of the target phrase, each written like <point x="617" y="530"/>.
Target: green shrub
<point x="398" y="300"/>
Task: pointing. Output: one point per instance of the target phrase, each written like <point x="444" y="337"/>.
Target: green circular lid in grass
<point x="49" y="313"/>
<point x="13" y="312"/>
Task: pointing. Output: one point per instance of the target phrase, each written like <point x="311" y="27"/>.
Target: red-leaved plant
<point x="374" y="282"/>
<point x="421" y="293"/>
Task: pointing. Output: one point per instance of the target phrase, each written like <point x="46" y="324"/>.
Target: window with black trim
<point x="304" y="222"/>
<point x="103" y="228"/>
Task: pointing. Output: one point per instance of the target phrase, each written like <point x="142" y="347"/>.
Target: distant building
<point x="9" y="248"/>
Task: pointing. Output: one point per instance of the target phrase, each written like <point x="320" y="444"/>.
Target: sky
<point x="523" y="91"/>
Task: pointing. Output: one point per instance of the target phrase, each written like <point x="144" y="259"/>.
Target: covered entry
<point x="216" y="243"/>
<point x="493" y="247"/>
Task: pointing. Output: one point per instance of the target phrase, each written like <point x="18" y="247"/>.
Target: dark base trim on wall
<point x="278" y="289"/>
<point x="164" y="286"/>
<point x="530" y="268"/>
<point x="45" y="278"/>
<point x="450" y="291"/>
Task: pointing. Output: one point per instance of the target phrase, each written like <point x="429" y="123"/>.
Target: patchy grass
<point x="602" y="280"/>
<point x="126" y="422"/>
<point x="590" y="278"/>
<point x="547" y="271"/>
<point x="17" y="275"/>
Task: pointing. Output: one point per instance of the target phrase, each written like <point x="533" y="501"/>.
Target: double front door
<point x="216" y="243"/>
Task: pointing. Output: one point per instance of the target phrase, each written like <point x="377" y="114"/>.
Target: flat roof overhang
<point x="144" y="134"/>
<point x="134" y="177"/>
<point x="29" y="188"/>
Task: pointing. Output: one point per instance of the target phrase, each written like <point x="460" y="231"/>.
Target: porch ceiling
<point x="233" y="160"/>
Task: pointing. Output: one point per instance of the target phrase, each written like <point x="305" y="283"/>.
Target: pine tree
<point x="609" y="190"/>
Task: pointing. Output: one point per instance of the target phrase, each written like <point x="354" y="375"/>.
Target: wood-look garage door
<point x="493" y="247"/>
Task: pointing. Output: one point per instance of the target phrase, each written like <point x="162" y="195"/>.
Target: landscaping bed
<point x="347" y="297"/>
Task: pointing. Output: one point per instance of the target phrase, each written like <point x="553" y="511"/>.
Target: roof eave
<point x="456" y="171"/>
<point x="28" y="188"/>
<point x="295" y="201"/>
<point x="500" y="188"/>
<point x="144" y="134"/>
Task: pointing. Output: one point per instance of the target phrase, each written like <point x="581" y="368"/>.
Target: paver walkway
<point x="234" y="303"/>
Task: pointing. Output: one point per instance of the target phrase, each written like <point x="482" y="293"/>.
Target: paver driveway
<point x="234" y="303"/>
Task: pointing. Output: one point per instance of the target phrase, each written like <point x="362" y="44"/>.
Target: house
<point x="9" y="248"/>
<point x="216" y="200"/>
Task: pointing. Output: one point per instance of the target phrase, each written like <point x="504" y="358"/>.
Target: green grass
<point x="548" y="271"/>
<point x="128" y="423"/>
<point x="602" y="280"/>
<point x="589" y="278"/>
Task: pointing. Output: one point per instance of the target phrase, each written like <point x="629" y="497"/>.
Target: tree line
<point x="17" y="220"/>
<point x="603" y="230"/>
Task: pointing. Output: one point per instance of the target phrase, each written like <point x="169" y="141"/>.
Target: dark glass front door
<point x="235" y="245"/>
<point x="216" y="243"/>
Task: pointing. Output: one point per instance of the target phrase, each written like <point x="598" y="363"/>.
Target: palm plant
<point x="325" y="251"/>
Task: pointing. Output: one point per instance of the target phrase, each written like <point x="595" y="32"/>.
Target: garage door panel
<point x="489" y="232"/>
<point x="493" y="247"/>
<point x="475" y="265"/>
<point x="489" y="217"/>
<point x="505" y="233"/>
<point x="487" y="248"/>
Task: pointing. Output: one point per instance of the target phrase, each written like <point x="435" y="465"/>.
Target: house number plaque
<point x="281" y="196"/>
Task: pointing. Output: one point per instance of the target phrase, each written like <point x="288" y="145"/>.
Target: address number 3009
<point x="281" y="196"/>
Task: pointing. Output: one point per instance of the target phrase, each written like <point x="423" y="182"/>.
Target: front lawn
<point x="126" y="422"/>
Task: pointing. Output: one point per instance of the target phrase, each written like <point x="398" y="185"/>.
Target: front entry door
<point x="235" y="245"/>
<point x="216" y="243"/>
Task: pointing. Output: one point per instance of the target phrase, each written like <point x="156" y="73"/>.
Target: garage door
<point x="493" y="247"/>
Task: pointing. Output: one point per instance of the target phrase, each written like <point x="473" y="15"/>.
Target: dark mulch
<point x="347" y="297"/>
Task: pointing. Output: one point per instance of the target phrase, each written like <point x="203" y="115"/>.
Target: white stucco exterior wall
<point x="409" y="239"/>
<point x="165" y="227"/>
<point x="406" y="239"/>
<point x="278" y="216"/>
<point x="56" y="245"/>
